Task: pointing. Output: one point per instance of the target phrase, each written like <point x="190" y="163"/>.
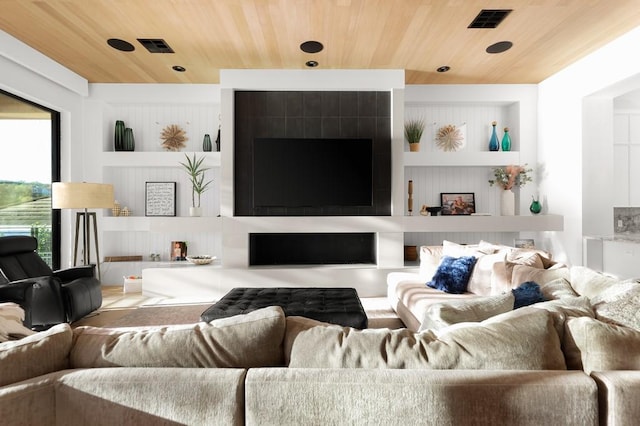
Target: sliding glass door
<point x="29" y="162"/>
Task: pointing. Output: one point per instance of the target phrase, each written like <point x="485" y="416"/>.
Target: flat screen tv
<point x="304" y="172"/>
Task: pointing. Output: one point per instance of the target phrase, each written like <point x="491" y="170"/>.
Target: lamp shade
<point x="73" y="195"/>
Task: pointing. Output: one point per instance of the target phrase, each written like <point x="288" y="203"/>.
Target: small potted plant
<point x="196" y="172"/>
<point x="413" y="130"/>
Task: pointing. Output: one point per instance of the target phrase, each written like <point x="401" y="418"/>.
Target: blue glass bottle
<point x="506" y="140"/>
<point x="493" y="142"/>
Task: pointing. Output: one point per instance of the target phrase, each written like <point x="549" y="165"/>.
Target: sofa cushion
<point x="430" y="257"/>
<point x="243" y="341"/>
<point x="523" y="339"/>
<point x="623" y="309"/>
<point x="590" y="283"/>
<point x="605" y="346"/>
<point x="557" y="289"/>
<point x="453" y="274"/>
<point x="502" y="272"/>
<point x="524" y="273"/>
<point x="35" y="355"/>
<point x="476" y="309"/>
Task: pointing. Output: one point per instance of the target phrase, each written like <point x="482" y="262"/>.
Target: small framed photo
<point x="160" y="199"/>
<point x="178" y="250"/>
<point x="457" y="203"/>
<point x="526" y="243"/>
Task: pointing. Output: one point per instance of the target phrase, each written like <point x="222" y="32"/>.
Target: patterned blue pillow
<point x="453" y="274"/>
<point x="527" y="294"/>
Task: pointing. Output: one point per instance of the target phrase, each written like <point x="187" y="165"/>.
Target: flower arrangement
<point x="511" y="176"/>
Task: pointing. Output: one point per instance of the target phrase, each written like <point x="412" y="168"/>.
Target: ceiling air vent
<point x="489" y="18"/>
<point x="155" y="45"/>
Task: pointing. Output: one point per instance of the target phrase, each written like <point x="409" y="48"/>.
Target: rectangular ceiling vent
<point x="155" y="45"/>
<point x="489" y="18"/>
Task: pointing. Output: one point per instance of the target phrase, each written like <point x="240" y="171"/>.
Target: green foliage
<point x="196" y="173"/>
<point x="413" y="130"/>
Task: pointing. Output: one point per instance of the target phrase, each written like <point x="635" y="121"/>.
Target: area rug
<point x="379" y="315"/>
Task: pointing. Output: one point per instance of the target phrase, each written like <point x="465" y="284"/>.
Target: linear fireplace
<point x="312" y="248"/>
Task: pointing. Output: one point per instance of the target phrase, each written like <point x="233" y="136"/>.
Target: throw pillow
<point x="452" y="249"/>
<point x="557" y="289"/>
<point x="11" y="327"/>
<point x="430" y="257"/>
<point x="35" y="355"/>
<point x="605" y="346"/>
<point x="524" y="273"/>
<point x="590" y="283"/>
<point x="518" y="340"/>
<point x="624" y="310"/>
<point x="502" y="272"/>
<point x="480" y="280"/>
<point x="475" y="309"/>
<point x="242" y="341"/>
<point x="453" y="274"/>
<point x="527" y="294"/>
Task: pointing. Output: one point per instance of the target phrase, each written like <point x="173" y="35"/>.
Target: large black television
<point x="312" y="172"/>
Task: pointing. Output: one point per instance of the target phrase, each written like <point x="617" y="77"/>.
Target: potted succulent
<point x="413" y="130"/>
<point x="196" y="172"/>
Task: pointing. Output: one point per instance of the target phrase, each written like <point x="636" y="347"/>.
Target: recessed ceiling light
<point x="311" y="46"/>
<point x="178" y="68"/>
<point x="311" y="64"/>
<point x="121" y="45"/>
<point x="443" y="68"/>
<point x="499" y="47"/>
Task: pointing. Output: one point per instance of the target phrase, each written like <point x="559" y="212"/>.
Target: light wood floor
<point x="117" y="304"/>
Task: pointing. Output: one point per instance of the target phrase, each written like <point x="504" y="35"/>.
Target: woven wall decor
<point x="450" y="138"/>
<point x="173" y="138"/>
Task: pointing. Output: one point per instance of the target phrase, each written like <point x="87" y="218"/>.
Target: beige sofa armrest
<point x="619" y="393"/>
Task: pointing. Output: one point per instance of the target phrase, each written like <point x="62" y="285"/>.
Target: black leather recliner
<point x="47" y="297"/>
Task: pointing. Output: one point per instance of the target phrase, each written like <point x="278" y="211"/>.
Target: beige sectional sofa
<point x="549" y="363"/>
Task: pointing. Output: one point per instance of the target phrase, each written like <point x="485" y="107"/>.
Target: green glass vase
<point x="206" y="143"/>
<point x="506" y="140"/>
<point x="535" y="206"/>
<point x="129" y="143"/>
<point x="493" y="141"/>
<point x="118" y="136"/>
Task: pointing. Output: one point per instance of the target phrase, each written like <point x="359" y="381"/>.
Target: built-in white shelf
<point x="161" y="224"/>
<point x="483" y="223"/>
<point x="461" y="159"/>
<point x="155" y="158"/>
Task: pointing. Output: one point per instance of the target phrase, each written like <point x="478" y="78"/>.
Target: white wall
<point x="26" y="73"/>
<point x="575" y="114"/>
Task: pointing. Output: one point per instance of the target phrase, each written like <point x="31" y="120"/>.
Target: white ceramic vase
<point x="195" y="211"/>
<point x="507" y="203"/>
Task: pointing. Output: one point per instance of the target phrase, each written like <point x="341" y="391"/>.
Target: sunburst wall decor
<point x="450" y="138"/>
<point x="173" y="137"/>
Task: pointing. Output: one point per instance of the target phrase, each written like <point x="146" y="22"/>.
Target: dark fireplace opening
<point x="312" y="248"/>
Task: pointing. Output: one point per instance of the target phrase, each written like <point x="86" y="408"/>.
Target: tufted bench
<point x="333" y="305"/>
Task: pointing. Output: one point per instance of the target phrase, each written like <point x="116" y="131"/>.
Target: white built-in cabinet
<point x="431" y="170"/>
<point x="626" y="158"/>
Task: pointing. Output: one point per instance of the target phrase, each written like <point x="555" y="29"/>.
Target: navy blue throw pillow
<point x="453" y="274"/>
<point x="527" y="294"/>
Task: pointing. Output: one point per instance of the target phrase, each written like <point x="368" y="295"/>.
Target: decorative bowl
<point x="204" y="259"/>
<point x="433" y="211"/>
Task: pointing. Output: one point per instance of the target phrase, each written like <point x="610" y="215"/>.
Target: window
<point x="29" y="162"/>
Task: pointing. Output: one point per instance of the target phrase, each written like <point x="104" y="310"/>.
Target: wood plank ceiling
<point x="416" y="35"/>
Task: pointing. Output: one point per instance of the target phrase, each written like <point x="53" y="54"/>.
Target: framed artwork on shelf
<point x="178" y="250"/>
<point x="526" y="243"/>
<point x="457" y="203"/>
<point x="160" y="199"/>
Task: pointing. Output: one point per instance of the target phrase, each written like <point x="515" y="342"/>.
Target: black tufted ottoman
<point x="334" y="305"/>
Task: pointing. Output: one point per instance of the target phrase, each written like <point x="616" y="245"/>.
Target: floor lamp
<point x="71" y="195"/>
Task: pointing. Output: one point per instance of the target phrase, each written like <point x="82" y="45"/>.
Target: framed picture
<point x="178" y="250"/>
<point x="457" y="203"/>
<point x="526" y="243"/>
<point x="160" y="199"/>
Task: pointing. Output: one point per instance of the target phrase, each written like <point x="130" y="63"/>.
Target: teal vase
<point x="118" y="136"/>
<point x="206" y="143"/>
<point x="493" y="142"/>
<point x="506" y="140"/>
<point x="129" y="143"/>
<point x="535" y="206"/>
